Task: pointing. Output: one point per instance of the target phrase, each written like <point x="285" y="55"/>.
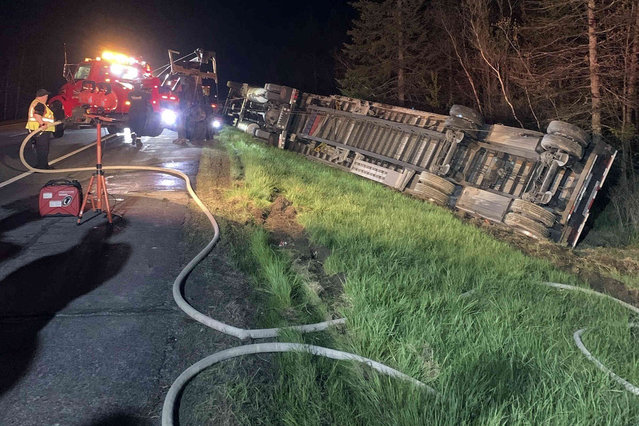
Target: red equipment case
<point x="60" y="197"/>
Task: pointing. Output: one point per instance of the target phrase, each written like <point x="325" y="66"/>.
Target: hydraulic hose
<point x="240" y="333"/>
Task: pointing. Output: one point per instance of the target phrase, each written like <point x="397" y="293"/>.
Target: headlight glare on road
<point x="169" y="117"/>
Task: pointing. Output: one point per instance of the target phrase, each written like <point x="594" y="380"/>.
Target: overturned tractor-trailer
<point x="540" y="184"/>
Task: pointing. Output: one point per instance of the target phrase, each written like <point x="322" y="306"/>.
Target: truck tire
<point x="437" y="182"/>
<point x="467" y="114"/>
<point x="58" y="115"/>
<point x="456" y="123"/>
<point x="533" y="211"/>
<point x="562" y="143"/>
<point x="429" y="193"/>
<point x="526" y="226"/>
<point x="569" y="131"/>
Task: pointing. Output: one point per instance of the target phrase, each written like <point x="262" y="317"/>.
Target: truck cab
<point x="102" y="85"/>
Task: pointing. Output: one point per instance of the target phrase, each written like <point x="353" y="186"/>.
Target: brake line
<point x="240" y="333"/>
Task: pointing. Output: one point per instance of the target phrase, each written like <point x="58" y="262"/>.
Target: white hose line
<point x="189" y="373"/>
<point x="220" y="326"/>
<point x="577" y="335"/>
<point x="240" y="333"/>
<point x="623" y="382"/>
<point x="594" y="293"/>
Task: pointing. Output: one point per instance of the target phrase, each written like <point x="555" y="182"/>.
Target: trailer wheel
<point x="569" y="131"/>
<point x="429" y="193"/>
<point x="437" y="182"/>
<point x="562" y="143"/>
<point x="526" y="226"/>
<point x="456" y="123"/>
<point x="58" y="115"/>
<point x="467" y="114"/>
<point x="533" y="211"/>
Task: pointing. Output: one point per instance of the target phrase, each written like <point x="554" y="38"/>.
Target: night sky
<point x="286" y="42"/>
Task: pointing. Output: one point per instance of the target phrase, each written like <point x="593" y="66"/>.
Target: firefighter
<point x="40" y="118"/>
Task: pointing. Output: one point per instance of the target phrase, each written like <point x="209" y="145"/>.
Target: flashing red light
<point x="155" y="102"/>
<point x="164" y="97"/>
<point x="172" y="98"/>
<point x="213" y="106"/>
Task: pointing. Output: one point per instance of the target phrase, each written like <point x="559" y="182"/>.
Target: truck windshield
<point x="83" y="72"/>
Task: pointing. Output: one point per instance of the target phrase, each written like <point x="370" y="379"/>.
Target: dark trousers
<point x="42" y="150"/>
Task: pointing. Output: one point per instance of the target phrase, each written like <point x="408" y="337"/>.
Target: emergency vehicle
<point x="102" y="85"/>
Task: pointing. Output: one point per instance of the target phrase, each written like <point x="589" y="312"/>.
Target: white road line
<point x="25" y="174"/>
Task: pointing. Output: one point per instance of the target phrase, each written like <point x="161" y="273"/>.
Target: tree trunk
<point x="595" y="89"/>
<point x="631" y="100"/>
<point x="401" y="62"/>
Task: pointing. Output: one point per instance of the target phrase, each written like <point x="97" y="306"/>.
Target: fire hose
<point x="175" y="389"/>
<point x="242" y="334"/>
<point x="168" y="409"/>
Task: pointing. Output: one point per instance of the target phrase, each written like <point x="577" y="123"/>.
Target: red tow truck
<point x="102" y="85"/>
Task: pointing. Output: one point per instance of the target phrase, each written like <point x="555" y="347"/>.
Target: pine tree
<point x="388" y="58"/>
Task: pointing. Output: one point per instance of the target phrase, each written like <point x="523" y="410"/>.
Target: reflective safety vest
<point x="32" y="123"/>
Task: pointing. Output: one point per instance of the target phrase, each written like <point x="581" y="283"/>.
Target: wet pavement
<point x="89" y="332"/>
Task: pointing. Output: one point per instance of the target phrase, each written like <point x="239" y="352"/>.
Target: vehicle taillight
<point x="127" y="102"/>
<point x="165" y="97"/>
<point x="172" y="98"/>
<point x="213" y="106"/>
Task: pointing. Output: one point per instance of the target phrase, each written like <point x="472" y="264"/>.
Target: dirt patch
<point x="222" y="292"/>
<point x="590" y="265"/>
<point x="307" y="259"/>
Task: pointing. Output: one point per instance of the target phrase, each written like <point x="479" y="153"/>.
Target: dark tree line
<point x="519" y="62"/>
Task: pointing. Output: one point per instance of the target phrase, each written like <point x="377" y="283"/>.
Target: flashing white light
<point x="217" y="124"/>
<point x="169" y="117"/>
<point x="124" y="71"/>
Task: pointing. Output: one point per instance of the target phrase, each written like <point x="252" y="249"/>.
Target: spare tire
<point x="467" y="114"/>
<point x="562" y="143"/>
<point x="569" y="131"/>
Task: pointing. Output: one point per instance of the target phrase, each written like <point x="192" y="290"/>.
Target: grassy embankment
<point x="501" y="353"/>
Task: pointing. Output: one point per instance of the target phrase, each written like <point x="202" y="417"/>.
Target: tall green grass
<point x="433" y="297"/>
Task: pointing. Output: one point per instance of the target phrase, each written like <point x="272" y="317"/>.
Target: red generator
<point x="61" y="197"/>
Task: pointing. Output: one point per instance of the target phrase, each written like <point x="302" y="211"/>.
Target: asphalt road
<point x="89" y="332"/>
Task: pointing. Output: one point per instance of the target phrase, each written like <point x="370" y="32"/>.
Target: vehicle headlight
<point x="217" y="124"/>
<point x="169" y="117"/>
